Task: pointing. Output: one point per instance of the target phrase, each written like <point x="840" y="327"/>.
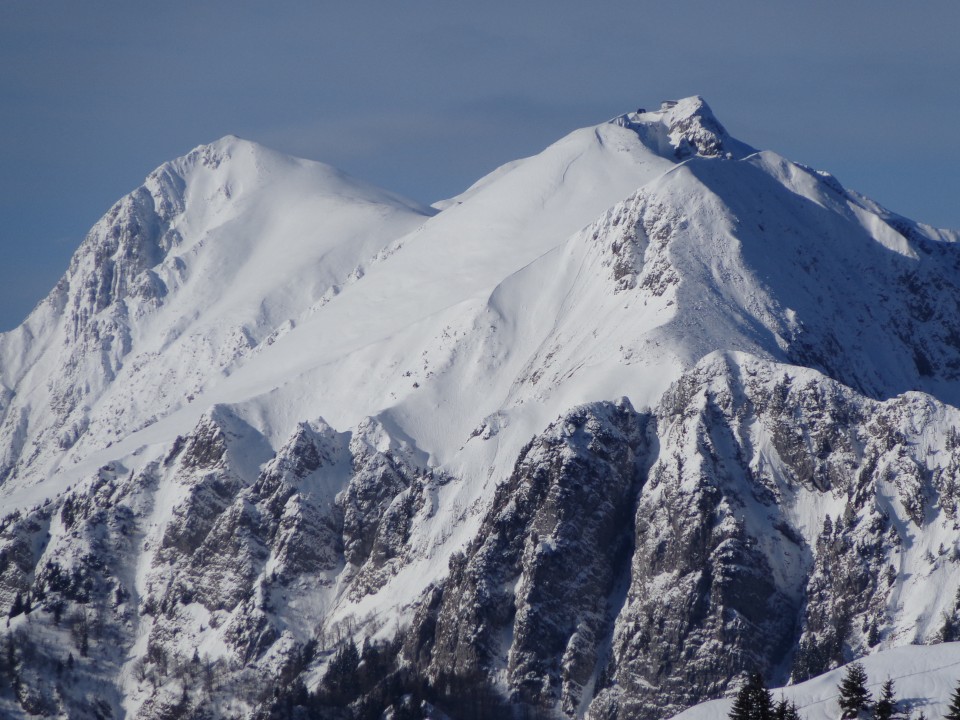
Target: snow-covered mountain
<point x="620" y="423"/>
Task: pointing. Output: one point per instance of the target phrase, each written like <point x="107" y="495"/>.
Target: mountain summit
<point x="621" y="423"/>
<point x="681" y="129"/>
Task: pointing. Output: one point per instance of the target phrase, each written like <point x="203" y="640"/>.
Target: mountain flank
<point x="621" y="424"/>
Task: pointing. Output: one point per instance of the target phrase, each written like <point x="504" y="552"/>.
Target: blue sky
<point x="425" y="97"/>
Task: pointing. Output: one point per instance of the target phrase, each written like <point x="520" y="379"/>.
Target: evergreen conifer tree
<point x="854" y="696"/>
<point x="780" y="709"/>
<point x="948" y="631"/>
<point x="341" y="677"/>
<point x="953" y="712"/>
<point x="11" y="653"/>
<point x="753" y="701"/>
<point x="886" y="707"/>
<point x="784" y="710"/>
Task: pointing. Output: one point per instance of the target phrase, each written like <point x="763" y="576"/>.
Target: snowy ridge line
<point x="880" y="683"/>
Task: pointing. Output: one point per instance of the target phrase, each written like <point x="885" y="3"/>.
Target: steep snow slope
<point x="173" y="288"/>
<point x="269" y="404"/>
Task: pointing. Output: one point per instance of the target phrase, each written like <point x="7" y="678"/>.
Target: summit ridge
<point x="683" y="128"/>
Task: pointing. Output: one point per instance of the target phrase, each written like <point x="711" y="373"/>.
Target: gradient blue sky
<point x="425" y="97"/>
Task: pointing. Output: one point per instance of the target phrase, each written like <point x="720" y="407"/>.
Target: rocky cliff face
<point x="193" y="556"/>
<point x="763" y="514"/>
<point x="729" y="553"/>
<point x="532" y="592"/>
<point x="632" y="564"/>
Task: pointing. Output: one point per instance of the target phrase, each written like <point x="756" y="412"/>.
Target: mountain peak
<point x="211" y="155"/>
<point x="683" y="128"/>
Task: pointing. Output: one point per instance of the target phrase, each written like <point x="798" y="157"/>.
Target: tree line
<point x="755" y="702"/>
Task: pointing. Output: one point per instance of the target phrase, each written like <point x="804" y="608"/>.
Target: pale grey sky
<point x="425" y="97"/>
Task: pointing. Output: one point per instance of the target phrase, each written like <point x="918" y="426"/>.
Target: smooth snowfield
<point x="924" y="679"/>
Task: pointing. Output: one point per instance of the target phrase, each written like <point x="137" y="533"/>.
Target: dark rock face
<point x="532" y="590"/>
<point x="726" y="577"/>
<point x="76" y="598"/>
<point x="377" y="480"/>
<point x="550" y="570"/>
<point x="700" y="579"/>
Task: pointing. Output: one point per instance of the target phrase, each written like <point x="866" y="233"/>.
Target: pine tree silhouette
<point x="886" y="707"/>
<point x="753" y="701"/>
<point x="784" y="710"/>
<point x="953" y="712"/>
<point x="17" y="607"/>
<point x="854" y="696"/>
